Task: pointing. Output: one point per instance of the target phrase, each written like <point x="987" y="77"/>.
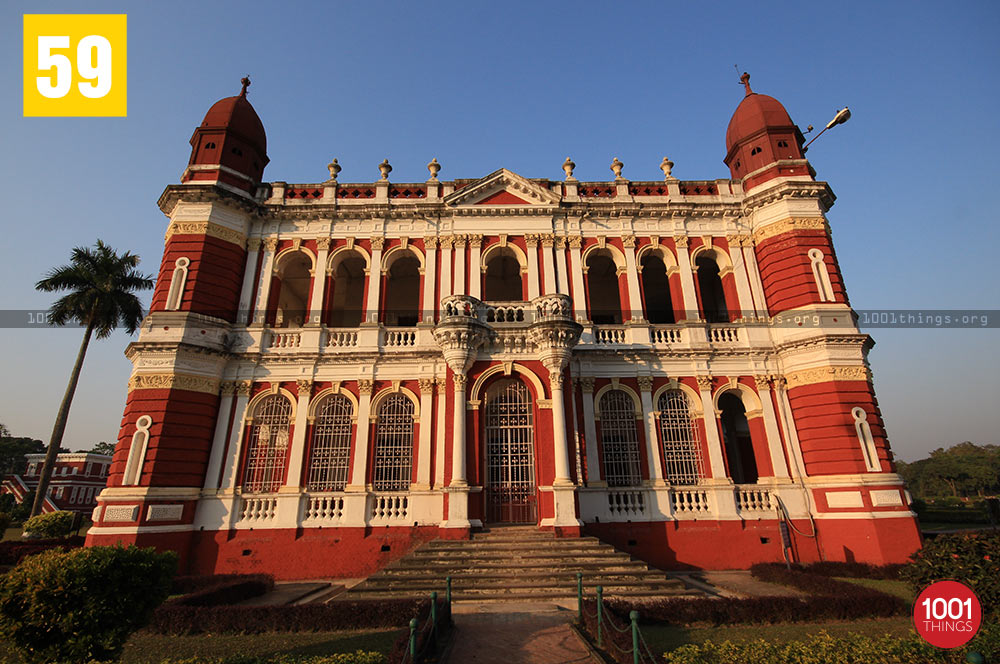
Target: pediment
<point x="502" y="187"/>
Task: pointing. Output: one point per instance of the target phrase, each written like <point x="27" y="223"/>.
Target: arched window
<point x="821" y="275"/>
<point x="177" y="282"/>
<point x="656" y="290"/>
<point x="347" y="306"/>
<point x="602" y="287"/>
<point x="393" y="444"/>
<point x="136" y="451"/>
<point x="331" y="445"/>
<point x="502" y="282"/>
<point x="402" y="292"/>
<point x="620" y="439"/>
<point x="681" y="442"/>
<point x="294" y="289"/>
<point x="736" y="436"/>
<point x="267" y="445"/>
<point x="713" y="298"/>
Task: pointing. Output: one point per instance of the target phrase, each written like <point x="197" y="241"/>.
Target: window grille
<point x="620" y="439"/>
<point x="394" y="444"/>
<point x="267" y="446"/>
<point x="331" y="445"/>
<point x="681" y="441"/>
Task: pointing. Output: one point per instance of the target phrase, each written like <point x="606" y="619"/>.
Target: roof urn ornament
<point x="246" y="84"/>
<point x="616" y="167"/>
<point x="568" y="167"/>
<point x="667" y="167"/>
<point x="334" y="169"/>
<point x="434" y="167"/>
<point x="384" y="168"/>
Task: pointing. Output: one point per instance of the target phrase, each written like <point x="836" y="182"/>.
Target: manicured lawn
<point x="931" y="526"/>
<point x="897" y="588"/>
<point x="662" y="638"/>
<point x="153" y="648"/>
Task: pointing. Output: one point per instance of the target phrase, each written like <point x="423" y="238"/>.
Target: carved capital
<point x="681" y="240"/>
<point x="227" y="388"/>
<point x="305" y="386"/>
<point x="323" y="243"/>
<point x="548" y="240"/>
<point x="460" y="380"/>
<point x="253" y="244"/>
<point x="556" y="379"/>
<point x="762" y="382"/>
<point x="587" y="384"/>
<point x="575" y="241"/>
<point x="475" y="241"/>
<point x="426" y="385"/>
<point x="243" y="387"/>
<point x="780" y="382"/>
<point x="447" y="241"/>
<point x="365" y="385"/>
<point x="430" y="242"/>
<point x="645" y="383"/>
<point x="629" y="241"/>
<point x="377" y="243"/>
<point x="704" y="382"/>
<point x="271" y="243"/>
<point x="532" y="240"/>
<point x="441" y="382"/>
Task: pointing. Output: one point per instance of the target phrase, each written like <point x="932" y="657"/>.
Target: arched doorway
<point x="736" y="435"/>
<point x="509" y="436"/>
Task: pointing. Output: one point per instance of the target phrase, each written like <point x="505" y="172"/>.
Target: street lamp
<point x="842" y="116"/>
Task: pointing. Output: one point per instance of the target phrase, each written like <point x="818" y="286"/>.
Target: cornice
<point x="205" y="193"/>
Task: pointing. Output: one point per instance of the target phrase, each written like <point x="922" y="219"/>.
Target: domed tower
<point x="762" y="142"/>
<point x="230" y="146"/>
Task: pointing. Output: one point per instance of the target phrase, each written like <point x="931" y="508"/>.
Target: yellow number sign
<point x="74" y="65"/>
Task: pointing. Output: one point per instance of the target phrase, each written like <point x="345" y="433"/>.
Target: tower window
<point x="209" y="146"/>
<point x="756" y="150"/>
<point x="782" y="144"/>
<point x="237" y="152"/>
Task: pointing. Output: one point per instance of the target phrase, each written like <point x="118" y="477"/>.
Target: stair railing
<point x="604" y="619"/>
<point x="424" y="638"/>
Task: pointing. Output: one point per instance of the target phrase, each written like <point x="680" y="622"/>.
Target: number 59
<point x="97" y="77"/>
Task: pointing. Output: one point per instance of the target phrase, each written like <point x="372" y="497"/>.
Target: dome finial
<point x="246" y="84"/>
<point x="745" y="80"/>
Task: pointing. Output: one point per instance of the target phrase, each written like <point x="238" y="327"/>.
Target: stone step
<point x="512" y="543"/>
<point x="511" y="553"/>
<point x="528" y="594"/>
<point x="455" y="571"/>
<point x="432" y="581"/>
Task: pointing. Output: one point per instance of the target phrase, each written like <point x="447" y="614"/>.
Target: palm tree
<point x="101" y="285"/>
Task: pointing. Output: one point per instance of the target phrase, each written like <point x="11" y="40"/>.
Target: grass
<point x="145" y="648"/>
<point x="896" y="588"/>
<point x="934" y="526"/>
<point x="14" y="532"/>
<point x="663" y="638"/>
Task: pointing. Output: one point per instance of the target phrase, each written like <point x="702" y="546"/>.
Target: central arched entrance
<point x="510" y="454"/>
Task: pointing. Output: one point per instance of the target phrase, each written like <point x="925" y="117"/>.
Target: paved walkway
<point x="515" y="634"/>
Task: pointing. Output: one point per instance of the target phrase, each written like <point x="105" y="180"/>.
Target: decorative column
<point x="374" y="282"/>
<point x="788" y="419"/>
<point x="293" y="476"/>
<point x="562" y="276"/>
<point x="429" y="305"/>
<point x="595" y="469"/>
<point x="691" y="309"/>
<point x="458" y="283"/>
<point x="554" y="333"/>
<point x="548" y="269"/>
<point x="459" y="334"/>
<point x="716" y="462"/>
<point x="232" y="458"/>
<point x="756" y="285"/>
<point x="441" y="384"/>
<point x="319" y="281"/>
<point x="654" y="453"/>
<point x="244" y="315"/>
<point x="424" y="444"/>
<point x="771" y="427"/>
<point x="576" y="271"/>
<point x="748" y="307"/>
<point x="226" y="391"/>
<point x="531" y="241"/>
<point x="264" y="286"/>
<point x="475" y="269"/>
<point x="632" y="274"/>
<point x="360" y="465"/>
<point x="446" y="242"/>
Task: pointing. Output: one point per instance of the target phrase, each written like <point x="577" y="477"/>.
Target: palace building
<point x="333" y="373"/>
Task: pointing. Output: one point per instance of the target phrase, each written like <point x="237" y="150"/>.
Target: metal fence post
<point x="634" y="617"/>
<point x="413" y="639"/>
<point x="600" y="615"/>
<point x="448" y="593"/>
<point x="434" y="613"/>
<point x="579" y="596"/>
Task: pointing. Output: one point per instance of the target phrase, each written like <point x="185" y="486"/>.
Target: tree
<point x="101" y="297"/>
<point x="12" y="451"/>
<point x="103" y="447"/>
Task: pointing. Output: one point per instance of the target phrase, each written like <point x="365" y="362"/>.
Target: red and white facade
<point x="77" y="478"/>
<point x="332" y="373"/>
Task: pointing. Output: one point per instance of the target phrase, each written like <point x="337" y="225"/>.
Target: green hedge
<point x="357" y="657"/>
<point x="972" y="558"/>
<point x="825" y="649"/>
<point x="53" y="524"/>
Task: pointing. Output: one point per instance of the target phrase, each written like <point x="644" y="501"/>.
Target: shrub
<point x="971" y="558"/>
<point x="357" y="657"/>
<point x="83" y="604"/>
<point x="53" y="524"/>
<point x="173" y="618"/>
<point x="13" y="551"/>
<point x="22" y="510"/>
<point x="5" y="520"/>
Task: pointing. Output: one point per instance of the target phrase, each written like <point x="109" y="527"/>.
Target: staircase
<point x="518" y="563"/>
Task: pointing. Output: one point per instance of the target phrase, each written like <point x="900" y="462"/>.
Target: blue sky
<point x="522" y="85"/>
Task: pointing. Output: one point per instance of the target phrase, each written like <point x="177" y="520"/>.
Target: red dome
<point x="236" y="114"/>
<point x="754" y="114"/>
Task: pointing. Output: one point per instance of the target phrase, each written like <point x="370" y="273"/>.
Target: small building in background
<point x="77" y="478"/>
